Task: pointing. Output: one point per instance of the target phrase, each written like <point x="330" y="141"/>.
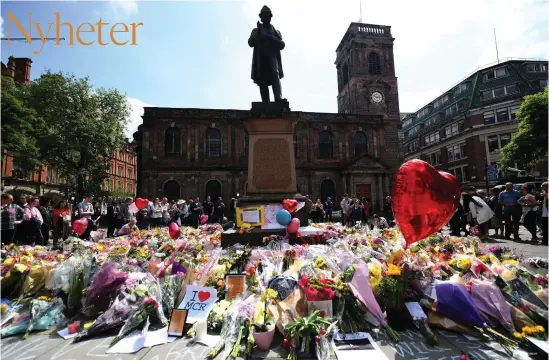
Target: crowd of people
<point x="33" y="220"/>
<point x="504" y="212"/>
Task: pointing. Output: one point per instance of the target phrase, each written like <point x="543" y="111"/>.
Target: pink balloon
<point x="293" y="226"/>
<point x="174" y="230"/>
<point x="79" y="226"/>
<point x="203" y="219"/>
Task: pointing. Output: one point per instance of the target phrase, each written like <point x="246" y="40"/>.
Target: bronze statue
<point x="267" y="62"/>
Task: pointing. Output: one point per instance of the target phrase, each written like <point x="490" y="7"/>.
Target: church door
<point x="213" y="189"/>
<point x="327" y="190"/>
<point x="363" y="190"/>
<point x="172" y="190"/>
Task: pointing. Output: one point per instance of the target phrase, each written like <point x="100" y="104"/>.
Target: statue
<point x="267" y="62"/>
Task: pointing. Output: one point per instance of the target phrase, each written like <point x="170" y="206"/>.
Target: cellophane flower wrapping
<point x="520" y="319"/>
<point x="35" y="280"/>
<point x="39" y="314"/>
<point x="284" y="285"/>
<point x="360" y="286"/>
<point x="489" y="301"/>
<point x="114" y="317"/>
<point x="228" y="330"/>
<point x="454" y="301"/>
<point x="171" y="286"/>
<point x="104" y="287"/>
<point x="18" y="325"/>
<point x="146" y="309"/>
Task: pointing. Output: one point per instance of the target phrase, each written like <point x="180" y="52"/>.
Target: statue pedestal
<point x="271" y="166"/>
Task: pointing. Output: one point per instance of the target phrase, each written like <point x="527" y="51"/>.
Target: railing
<point x="372" y="29"/>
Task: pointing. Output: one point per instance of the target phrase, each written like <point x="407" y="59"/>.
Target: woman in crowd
<point x="46" y="226"/>
<point x="156" y="214"/>
<point x="495" y="205"/>
<point x="61" y="222"/>
<point x="32" y="223"/>
<point x="357" y="211"/>
<point x="318" y="211"/>
<point x="529" y="211"/>
<point x="142" y="219"/>
<point x="480" y="213"/>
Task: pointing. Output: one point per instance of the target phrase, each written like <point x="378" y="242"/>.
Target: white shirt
<point x="157" y="211"/>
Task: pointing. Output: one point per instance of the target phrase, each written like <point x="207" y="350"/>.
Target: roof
<point x="467" y="93"/>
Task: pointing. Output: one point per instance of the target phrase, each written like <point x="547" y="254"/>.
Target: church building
<point x="186" y="152"/>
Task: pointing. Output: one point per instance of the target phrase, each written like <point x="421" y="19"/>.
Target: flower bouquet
<point x="298" y="335"/>
<point x="139" y="317"/>
<point x="392" y="291"/>
<point x="104" y="287"/>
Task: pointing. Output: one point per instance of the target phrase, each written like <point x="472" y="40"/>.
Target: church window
<point x="345" y="74"/>
<point x="172" y="141"/>
<point x="361" y="145"/>
<point x="213" y="143"/>
<point x="246" y="144"/>
<point x="374" y="63"/>
<point x="325" y="145"/>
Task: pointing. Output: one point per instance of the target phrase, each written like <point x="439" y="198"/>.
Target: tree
<point x="528" y="146"/>
<point x="83" y="125"/>
<point x="20" y="126"/>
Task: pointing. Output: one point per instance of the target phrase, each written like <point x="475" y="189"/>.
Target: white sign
<point x="250" y="216"/>
<point x="198" y="301"/>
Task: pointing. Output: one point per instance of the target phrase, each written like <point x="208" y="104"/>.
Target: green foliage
<point x="20" y="126"/>
<point x="528" y="146"/>
<point x="74" y="126"/>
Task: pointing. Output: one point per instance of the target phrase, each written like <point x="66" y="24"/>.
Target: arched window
<point x="345" y="74"/>
<point x="374" y="63"/>
<point x="213" y="143"/>
<point x="325" y="145"/>
<point x="246" y="143"/>
<point x="172" y="190"/>
<point x="327" y="190"/>
<point x="361" y="145"/>
<point x="213" y="190"/>
<point x="172" y="141"/>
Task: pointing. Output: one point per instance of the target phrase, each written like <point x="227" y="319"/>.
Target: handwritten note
<point x="251" y="216"/>
<point x="416" y="311"/>
<point x="270" y="217"/>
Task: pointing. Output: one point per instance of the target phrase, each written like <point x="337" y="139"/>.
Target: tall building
<point x="464" y="129"/>
<point x="185" y="153"/>
<point x="45" y="179"/>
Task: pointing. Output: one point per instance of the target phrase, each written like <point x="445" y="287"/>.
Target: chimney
<point x="22" y="70"/>
<point x="10" y="68"/>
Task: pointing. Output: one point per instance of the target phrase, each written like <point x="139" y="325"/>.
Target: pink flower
<point x="464" y="357"/>
<point x="151" y="301"/>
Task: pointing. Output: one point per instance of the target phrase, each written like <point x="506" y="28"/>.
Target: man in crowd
<point x="346" y="209"/>
<point x="125" y="212"/>
<point x="196" y="210"/>
<point x="328" y="208"/>
<point x="511" y="211"/>
<point x="209" y="208"/>
<point x="11" y="213"/>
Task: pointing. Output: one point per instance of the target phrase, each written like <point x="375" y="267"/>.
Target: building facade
<point x="464" y="129"/>
<point x="45" y="179"/>
<point x="186" y="153"/>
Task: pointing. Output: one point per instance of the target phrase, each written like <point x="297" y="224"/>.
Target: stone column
<point x="386" y="184"/>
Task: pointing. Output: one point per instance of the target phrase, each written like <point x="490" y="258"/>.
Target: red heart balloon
<point x="79" y="226"/>
<point x="141" y="203"/>
<point x="174" y="230"/>
<point x="424" y="199"/>
<point x="290" y="205"/>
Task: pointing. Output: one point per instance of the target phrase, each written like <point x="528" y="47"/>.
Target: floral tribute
<point x="356" y="280"/>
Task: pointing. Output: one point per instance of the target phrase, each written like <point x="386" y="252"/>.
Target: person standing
<point x="356" y="211"/>
<point x="10" y="214"/>
<point x="496" y="207"/>
<point x="328" y="208"/>
<point x="61" y="222"/>
<point x="345" y="210"/>
<point x="511" y="211"/>
<point x="156" y="213"/>
<point x="529" y="211"/>
<point x="196" y="210"/>
<point x="165" y="211"/>
<point x="114" y="218"/>
<point x="85" y="210"/>
<point x="219" y="211"/>
<point x="125" y="212"/>
<point x="544" y="213"/>
<point x="209" y="209"/>
<point x="33" y="219"/>
<point x="20" y="228"/>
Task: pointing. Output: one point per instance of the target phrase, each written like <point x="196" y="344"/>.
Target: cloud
<point x="123" y="8"/>
<point x="135" y="115"/>
<point x="436" y="43"/>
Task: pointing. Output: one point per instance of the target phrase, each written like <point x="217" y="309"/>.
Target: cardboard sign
<point x="252" y="215"/>
<point x="177" y="322"/>
<point x="198" y="301"/>
<point x="236" y="284"/>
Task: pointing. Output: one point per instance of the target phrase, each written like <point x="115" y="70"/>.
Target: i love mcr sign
<point x="198" y="301"/>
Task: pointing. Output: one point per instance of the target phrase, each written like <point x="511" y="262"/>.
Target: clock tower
<point x="366" y="72"/>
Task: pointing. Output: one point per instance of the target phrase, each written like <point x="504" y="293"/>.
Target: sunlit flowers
<point x="393" y="270"/>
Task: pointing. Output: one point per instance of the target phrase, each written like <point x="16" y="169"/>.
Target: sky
<point x="195" y="53"/>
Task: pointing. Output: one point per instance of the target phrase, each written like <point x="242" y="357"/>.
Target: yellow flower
<point x="539" y="328"/>
<point x="9" y="261"/>
<point x="511" y="262"/>
<point x="45" y="298"/>
<point x="465" y="263"/>
<point x="528" y="330"/>
<point x="393" y="270"/>
<point x="519" y="335"/>
<point x="484" y="258"/>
